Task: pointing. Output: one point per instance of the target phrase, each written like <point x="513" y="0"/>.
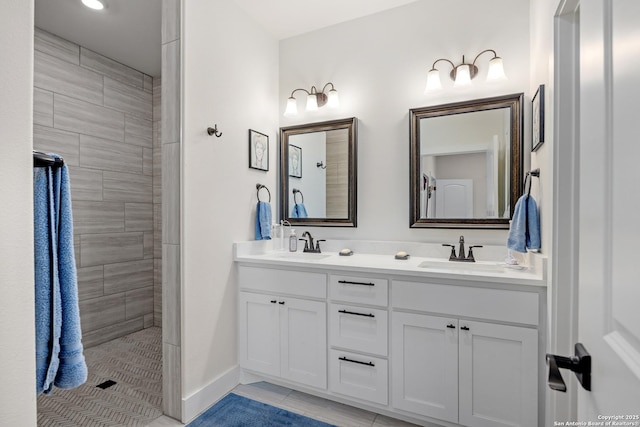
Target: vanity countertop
<point x="385" y="263"/>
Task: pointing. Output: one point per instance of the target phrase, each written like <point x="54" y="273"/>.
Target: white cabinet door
<point x="425" y="365"/>
<point x="304" y="341"/>
<point x="498" y="375"/>
<point x="259" y="326"/>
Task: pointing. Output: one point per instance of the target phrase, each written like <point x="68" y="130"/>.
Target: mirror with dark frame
<point x="318" y="173"/>
<point x="466" y="163"/>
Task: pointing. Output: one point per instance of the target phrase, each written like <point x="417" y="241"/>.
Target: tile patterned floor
<point x="135" y="363"/>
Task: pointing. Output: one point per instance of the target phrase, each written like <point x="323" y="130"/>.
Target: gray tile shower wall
<point x="104" y="119"/>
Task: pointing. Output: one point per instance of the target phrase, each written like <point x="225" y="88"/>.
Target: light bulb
<point x="312" y="102"/>
<point x="93" y="4"/>
<point x="292" y="107"/>
<point x="433" y="81"/>
<point x="496" y="70"/>
<point x="463" y="76"/>
<point x="334" y="101"/>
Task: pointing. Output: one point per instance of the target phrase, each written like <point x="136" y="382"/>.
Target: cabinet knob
<point x="464" y="328"/>
<point x="273" y="301"/>
<point x="450" y="326"/>
<point x="281" y="303"/>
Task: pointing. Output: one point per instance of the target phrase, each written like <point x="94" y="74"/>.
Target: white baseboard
<point x="198" y="402"/>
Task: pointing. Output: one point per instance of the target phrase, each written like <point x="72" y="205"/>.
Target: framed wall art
<point x="537" y="119"/>
<point x="258" y="150"/>
<point x="295" y="161"/>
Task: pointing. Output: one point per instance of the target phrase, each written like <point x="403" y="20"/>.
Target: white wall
<point x="230" y="78"/>
<point x="560" y="298"/>
<point x="378" y="64"/>
<point x="17" y="334"/>
<point x="542" y="12"/>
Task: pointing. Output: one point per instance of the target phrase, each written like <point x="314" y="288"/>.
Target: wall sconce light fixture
<point x="315" y="99"/>
<point x="463" y="73"/>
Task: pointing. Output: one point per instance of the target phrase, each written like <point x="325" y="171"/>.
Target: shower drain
<point x="106" y="384"/>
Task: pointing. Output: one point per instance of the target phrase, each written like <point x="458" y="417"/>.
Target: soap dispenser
<point x="293" y="241"/>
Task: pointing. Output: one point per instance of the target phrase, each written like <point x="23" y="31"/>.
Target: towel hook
<point x="214" y="131"/>
<point x="258" y="188"/>
<point x="295" y="190"/>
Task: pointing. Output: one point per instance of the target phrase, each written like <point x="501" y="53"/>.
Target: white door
<point x="425" y="365"/>
<point x="304" y="341"/>
<point x="454" y="198"/>
<point x="609" y="276"/>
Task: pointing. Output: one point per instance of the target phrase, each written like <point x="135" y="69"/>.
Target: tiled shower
<point x="104" y="119"/>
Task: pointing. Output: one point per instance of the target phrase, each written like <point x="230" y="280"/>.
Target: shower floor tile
<point x="134" y="363"/>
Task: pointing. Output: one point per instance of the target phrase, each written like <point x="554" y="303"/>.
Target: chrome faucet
<point x="308" y="244"/>
<point x="461" y="250"/>
<point x="461" y="256"/>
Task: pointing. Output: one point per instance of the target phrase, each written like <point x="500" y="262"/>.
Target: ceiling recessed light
<point x="94" y="4"/>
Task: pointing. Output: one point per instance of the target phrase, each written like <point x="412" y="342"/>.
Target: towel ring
<point x="536" y="173"/>
<point x="258" y="188"/>
<point x="295" y="190"/>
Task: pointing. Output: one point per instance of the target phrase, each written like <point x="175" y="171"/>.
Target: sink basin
<point x="302" y="256"/>
<point x="463" y="266"/>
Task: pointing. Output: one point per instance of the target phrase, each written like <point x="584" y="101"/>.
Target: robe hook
<point x="214" y="131"/>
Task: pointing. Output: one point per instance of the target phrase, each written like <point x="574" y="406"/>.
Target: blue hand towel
<point x="299" y="211"/>
<point x="263" y="221"/>
<point x="45" y="276"/>
<point x="524" y="232"/>
<point x="59" y="358"/>
<point x="72" y="371"/>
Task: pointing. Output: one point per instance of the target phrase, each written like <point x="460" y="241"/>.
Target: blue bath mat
<point x="238" y="411"/>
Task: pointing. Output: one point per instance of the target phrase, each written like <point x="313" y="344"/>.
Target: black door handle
<point x="356" y="314"/>
<point x="450" y="326"/>
<point x="281" y="303"/>
<point x="348" y="282"/>
<point x="273" y="301"/>
<point x="580" y="364"/>
<point x="356" y="361"/>
<point x="464" y="328"/>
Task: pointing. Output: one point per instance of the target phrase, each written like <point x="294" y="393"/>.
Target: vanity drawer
<point x="360" y="290"/>
<point x="358" y="328"/>
<point x="492" y="304"/>
<point x="300" y="283"/>
<point x="362" y="377"/>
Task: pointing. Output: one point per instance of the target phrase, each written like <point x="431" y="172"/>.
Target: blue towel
<point x="524" y="232"/>
<point x="45" y="275"/>
<point x="59" y="357"/>
<point x="299" y="211"/>
<point x="263" y="221"/>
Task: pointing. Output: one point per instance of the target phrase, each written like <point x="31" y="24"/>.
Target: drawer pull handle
<point x="347" y="282"/>
<point x="281" y="302"/>
<point x="450" y="326"/>
<point x="356" y="361"/>
<point x="273" y="301"/>
<point x="356" y="314"/>
<point x="464" y="328"/>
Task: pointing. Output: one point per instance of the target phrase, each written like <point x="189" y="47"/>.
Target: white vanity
<point x="422" y="339"/>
